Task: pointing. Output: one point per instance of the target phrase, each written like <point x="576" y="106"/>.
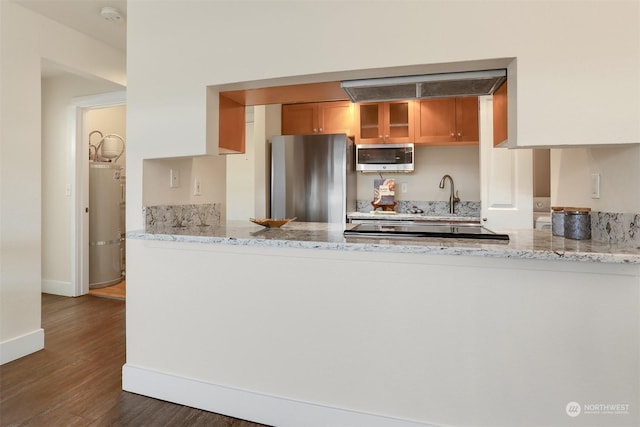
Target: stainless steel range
<point x="465" y="231"/>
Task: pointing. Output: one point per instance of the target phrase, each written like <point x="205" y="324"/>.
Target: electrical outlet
<point x="595" y="186"/>
<point x="67" y="190"/>
<point x="196" y="187"/>
<point x="174" y="178"/>
<point x="403" y="187"/>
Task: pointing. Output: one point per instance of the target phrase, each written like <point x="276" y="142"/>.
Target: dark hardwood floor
<point x="76" y="379"/>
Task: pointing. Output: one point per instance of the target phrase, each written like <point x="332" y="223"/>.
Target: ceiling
<point x="84" y="16"/>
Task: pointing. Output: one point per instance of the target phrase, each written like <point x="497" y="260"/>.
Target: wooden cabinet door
<point x="384" y="122"/>
<point x="447" y="121"/>
<point x="398" y="122"/>
<point x="435" y="121"/>
<point x="500" y="133"/>
<point x="467" y="120"/>
<point x="299" y="119"/>
<point x="335" y="117"/>
<point x="368" y="123"/>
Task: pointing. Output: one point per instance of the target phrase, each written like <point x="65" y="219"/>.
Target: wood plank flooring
<point x="117" y="291"/>
<point x="76" y="379"/>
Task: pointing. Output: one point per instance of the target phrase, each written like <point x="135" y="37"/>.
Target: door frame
<point x="506" y="177"/>
<point x="80" y="106"/>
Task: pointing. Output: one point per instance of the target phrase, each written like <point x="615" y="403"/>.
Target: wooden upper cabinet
<point x="336" y="117"/>
<point x="467" y="128"/>
<point x="317" y="118"/>
<point x="299" y="119"/>
<point x="500" y="133"/>
<point x="384" y="122"/>
<point x="435" y="120"/>
<point x="447" y="121"/>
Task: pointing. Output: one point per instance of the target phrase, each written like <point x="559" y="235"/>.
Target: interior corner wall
<point x="619" y="170"/>
<point x="26" y="38"/>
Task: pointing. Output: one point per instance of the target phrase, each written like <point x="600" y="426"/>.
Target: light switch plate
<point x="595" y="186"/>
<point x="174" y="178"/>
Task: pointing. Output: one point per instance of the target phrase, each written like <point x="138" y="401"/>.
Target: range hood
<point x="471" y="83"/>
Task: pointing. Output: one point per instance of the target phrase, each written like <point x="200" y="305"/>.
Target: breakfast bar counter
<point x="523" y="243"/>
<point x="297" y="313"/>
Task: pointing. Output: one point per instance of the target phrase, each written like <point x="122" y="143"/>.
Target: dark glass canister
<point x="557" y="221"/>
<point x="577" y="224"/>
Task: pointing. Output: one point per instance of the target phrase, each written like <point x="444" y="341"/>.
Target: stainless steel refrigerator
<point x="313" y="178"/>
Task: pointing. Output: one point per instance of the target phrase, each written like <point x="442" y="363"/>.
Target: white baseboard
<point x="248" y="405"/>
<point x="23" y="345"/>
<point x="58" y="287"/>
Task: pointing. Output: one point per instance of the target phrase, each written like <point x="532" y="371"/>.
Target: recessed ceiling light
<point x="111" y="14"/>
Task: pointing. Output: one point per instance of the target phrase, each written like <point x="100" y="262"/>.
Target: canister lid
<point x="577" y="211"/>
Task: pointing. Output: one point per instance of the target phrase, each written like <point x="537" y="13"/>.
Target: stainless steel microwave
<point x="385" y="157"/>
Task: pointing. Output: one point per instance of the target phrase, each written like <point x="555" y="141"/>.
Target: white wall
<point x="619" y="169"/>
<point x="541" y="172"/>
<point x="206" y="168"/>
<point x="27" y="38"/>
<point x="157" y="177"/>
<point x="432" y="163"/>
<point x="57" y="167"/>
<point x="559" y="75"/>
<point x="246" y="173"/>
<point x="440" y="340"/>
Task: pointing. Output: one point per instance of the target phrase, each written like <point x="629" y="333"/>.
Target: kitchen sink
<point x="415" y="229"/>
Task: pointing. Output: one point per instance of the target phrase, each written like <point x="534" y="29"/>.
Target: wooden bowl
<point x="271" y="223"/>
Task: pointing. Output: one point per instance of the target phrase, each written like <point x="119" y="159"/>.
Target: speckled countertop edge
<point x="524" y="244"/>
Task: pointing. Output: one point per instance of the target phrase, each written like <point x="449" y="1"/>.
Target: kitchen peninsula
<point x="291" y="315"/>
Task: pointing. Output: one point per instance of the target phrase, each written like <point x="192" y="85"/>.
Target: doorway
<point x="104" y="113"/>
<point x="64" y="175"/>
<point x="106" y="127"/>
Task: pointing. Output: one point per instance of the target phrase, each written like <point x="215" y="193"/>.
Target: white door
<point x="506" y="178"/>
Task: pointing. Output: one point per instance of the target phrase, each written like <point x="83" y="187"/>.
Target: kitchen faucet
<point x="453" y="196"/>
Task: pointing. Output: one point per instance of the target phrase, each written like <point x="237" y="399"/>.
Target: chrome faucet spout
<point x="453" y="195"/>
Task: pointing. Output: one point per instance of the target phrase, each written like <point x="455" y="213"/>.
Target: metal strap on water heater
<point x="105" y="242"/>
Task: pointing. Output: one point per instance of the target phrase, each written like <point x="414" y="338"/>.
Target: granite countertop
<point x="523" y="244"/>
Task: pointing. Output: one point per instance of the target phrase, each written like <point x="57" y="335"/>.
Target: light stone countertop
<point x="523" y="244"/>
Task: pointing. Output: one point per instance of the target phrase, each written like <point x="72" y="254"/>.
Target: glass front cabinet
<point x="384" y="122"/>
